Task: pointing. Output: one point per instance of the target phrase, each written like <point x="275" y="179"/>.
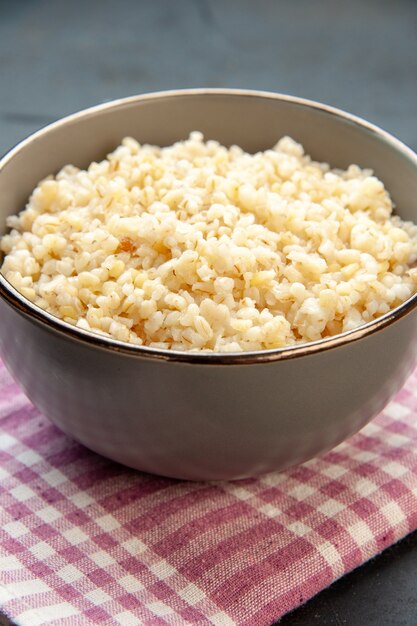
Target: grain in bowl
<point x="197" y="246"/>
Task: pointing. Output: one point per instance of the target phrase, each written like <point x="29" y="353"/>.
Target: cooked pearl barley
<point x="201" y="247"/>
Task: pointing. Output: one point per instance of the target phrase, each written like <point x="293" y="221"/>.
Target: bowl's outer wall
<point x="206" y="421"/>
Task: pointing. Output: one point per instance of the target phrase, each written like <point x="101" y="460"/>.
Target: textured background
<point x="58" y="56"/>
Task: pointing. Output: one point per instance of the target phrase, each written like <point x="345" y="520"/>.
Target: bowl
<point x="197" y="415"/>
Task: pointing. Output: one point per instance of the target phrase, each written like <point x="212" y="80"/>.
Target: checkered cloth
<point x="86" y="541"/>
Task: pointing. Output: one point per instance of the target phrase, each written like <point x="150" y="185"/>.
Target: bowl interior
<point x="252" y="120"/>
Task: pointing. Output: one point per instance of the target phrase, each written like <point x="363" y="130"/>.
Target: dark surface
<point x="383" y="592"/>
<point x="58" y="56"/>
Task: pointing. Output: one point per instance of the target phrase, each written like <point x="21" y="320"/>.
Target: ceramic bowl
<point x="206" y="416"/>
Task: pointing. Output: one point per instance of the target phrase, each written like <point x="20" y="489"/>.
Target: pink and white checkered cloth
<point x="86" y="541"/>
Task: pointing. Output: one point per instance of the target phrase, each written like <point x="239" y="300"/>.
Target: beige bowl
<point x="206" y="416"/>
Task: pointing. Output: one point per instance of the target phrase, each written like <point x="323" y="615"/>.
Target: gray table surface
<point x="58" y="56"/>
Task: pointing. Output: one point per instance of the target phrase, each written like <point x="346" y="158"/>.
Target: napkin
<point x="87" y="541"/>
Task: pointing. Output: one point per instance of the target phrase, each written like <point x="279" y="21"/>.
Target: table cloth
<point x="87" y="541"/>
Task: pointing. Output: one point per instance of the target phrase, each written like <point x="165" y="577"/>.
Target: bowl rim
<point x="25" y="307"/>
